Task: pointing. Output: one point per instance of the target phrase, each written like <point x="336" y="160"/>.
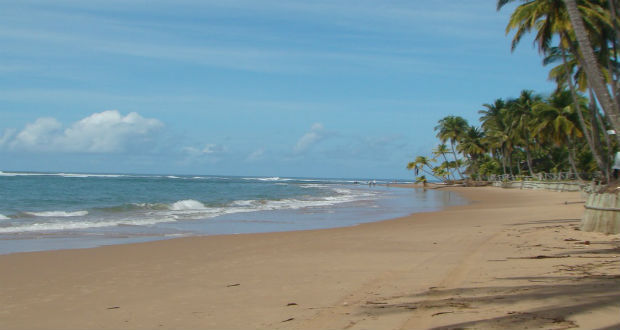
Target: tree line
<point x="571" y="130"/>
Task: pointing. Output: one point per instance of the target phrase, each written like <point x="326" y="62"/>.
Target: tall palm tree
<point x="452" y="128"/>
<point x="496" y="135"/>
<point x="520" y="114"/>
<point x="562" y="75"/>
<point x="592" y="68"/>
<point x="550" y="18"/>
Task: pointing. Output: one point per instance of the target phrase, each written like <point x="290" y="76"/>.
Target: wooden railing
<point x="559" y="176"/>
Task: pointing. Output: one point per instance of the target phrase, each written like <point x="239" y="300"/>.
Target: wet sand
<point x="510" y="259"/>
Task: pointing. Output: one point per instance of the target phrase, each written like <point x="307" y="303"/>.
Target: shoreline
<point x="458" y="266"/>
<point x="363" y="205"/>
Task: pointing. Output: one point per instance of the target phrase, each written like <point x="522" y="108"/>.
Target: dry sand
<point x="511" y="259"/>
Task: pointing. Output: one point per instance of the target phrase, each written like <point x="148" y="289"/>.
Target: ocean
<point x="47" y="211"/>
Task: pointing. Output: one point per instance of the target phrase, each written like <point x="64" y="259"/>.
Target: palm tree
<point x="547" y="17"/>
<point x="442" y="150"/>
<point x="423" y="164"/>
<point x="496" y="132"/>
<point x="592" y="68"/>
<point x="472" y="146"/>
<point x="550" y="18"/>
<point x="452" y="128"/>
<point x="520" y="114"/>
<point x="563" y="75"/>
<point x="557" y="122"/>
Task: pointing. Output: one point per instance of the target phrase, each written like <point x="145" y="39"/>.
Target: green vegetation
<point x="564" y="132"/>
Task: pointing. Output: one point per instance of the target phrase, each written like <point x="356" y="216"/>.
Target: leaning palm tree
<point x="442" y="150"/>
<point x="594" y="74"/>
<point x="452" y="128"/>
<point x="549" y="19"/>
<point x="424" y="165"/>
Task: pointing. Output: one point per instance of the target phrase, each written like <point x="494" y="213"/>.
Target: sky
<point x="338" y="88"/>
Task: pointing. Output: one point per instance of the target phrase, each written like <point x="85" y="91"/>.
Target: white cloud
<point x="6" y="136"/>
<point x="102" y="132"/>
<point x="316" y="134"/>
<point x="256" y="155"/>
<point x="208" y="149"/>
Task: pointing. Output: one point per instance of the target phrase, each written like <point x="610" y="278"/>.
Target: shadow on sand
<point x="577" y="289"/>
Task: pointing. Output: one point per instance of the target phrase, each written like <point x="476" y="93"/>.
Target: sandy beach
<point x="510" y="259"/>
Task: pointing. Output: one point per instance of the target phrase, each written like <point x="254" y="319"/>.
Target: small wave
<point x="4" y="217"/>
<point x="188" y="204"/>
<point x="243" y="203"/>
<point x="275" y="178"/>
<point x="59" y="226"/>
<point x="172" y="177"/>
<point x="65" y="175"/>
<point x="58" y="214"/>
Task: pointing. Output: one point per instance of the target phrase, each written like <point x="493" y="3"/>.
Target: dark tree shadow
<point x="577" y="295"/>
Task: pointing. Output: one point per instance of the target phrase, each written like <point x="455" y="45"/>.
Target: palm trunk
<point x="609" y="155"/>
<point x="612" y="11"/>
<point x="571" y="158"/>
<point x="528" y="159"/>
<point x="446" y="160"/>
<point x="509" y="155"/>
<point x="573" y="92"/>
<point x="528" y="154"/>
<point x="503" y="160"/>
<point x="593" y="72"/>
<point x="592" y="134"/>
<point x="596" y="139"/>
<point x="456" y="160"/>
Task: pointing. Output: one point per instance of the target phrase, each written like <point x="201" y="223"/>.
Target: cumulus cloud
<point x="102" y="132"/>
<point x="316" y="134"/>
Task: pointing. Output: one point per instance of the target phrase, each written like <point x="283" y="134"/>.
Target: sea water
<point x="45" y="211"/>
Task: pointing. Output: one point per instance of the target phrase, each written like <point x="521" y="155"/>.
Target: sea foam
<point x="188" y="204"/>
<point x="58" y="214"/>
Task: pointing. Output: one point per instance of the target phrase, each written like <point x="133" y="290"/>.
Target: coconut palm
<point x="496" y="131"/>
<point x="557" y="123"/>
<point x="424" y="165"/>
<point x="442" y="150"/>
<point x="591" y="66"/>
<point x="520" y="114"/>
<point x="472" y="146"/>
<point x="550" y="18"/>
<point x="452" y="128"/>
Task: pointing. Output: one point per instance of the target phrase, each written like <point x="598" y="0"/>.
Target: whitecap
<point x="54" y="226"/>
<point x="4" y="217"/>
<point x="275" y="178"/>
<point x="187" y="204"/>
<point x="58" y="214"/>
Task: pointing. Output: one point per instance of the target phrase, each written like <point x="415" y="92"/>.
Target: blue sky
<point x="336" y="88"/>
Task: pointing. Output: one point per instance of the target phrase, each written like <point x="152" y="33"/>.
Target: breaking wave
<point x="58" y="214"/>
